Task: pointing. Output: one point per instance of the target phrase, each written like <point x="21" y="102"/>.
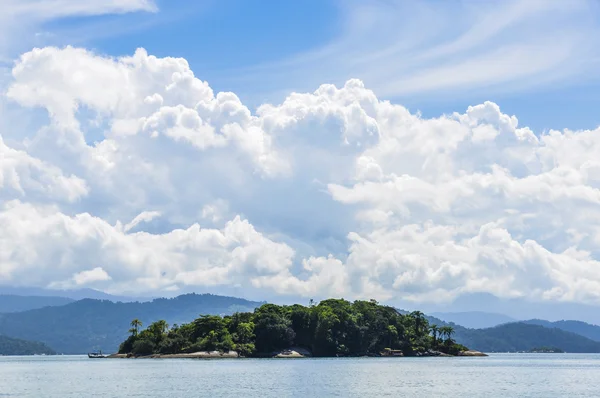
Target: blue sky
<point x="253" y="47"/>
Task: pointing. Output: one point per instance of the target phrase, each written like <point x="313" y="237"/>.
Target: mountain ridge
<point x="88" y="324"/>
<point x="14" y="303"/>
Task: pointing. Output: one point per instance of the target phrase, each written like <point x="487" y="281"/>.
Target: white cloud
<point x="333" y="192"/>
<point x="25" y="175"/>
<point x="83" y="278"/>
<point x="144" y="216"/>
<point x="49" y="9"/>
<point x="22" y="20"/>
<point x="39" y="245"/>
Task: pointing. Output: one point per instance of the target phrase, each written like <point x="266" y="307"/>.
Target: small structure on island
<point x="388" y="352"/>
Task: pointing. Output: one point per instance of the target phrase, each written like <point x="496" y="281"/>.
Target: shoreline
<point x="294" y="353"/>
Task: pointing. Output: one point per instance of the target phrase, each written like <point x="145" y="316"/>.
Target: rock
<point x="118" y="356"/>
<point x="192" y="355"/>
<point x="293" y="352"/>
<point x="471" y="353"/>
<point x="201" y="355"/>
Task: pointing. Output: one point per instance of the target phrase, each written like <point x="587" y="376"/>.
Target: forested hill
<point x="10" y="346"/>
<point x="334" y="327"/>
<point x="592" y="332"/>
<point x="85" y="325"/>
<point x="520" y="336"/>
<point x="14" y="303"/>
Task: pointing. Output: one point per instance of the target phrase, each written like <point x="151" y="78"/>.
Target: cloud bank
<point x="141" y="179"/>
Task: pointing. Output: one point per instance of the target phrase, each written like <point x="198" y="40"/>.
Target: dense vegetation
<point x="12" y="303"/>
<point x="10" y="346"/>
<point x="85" y="325"/>
<point x="334" y="327"/>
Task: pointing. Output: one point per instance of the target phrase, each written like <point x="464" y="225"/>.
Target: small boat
<point x="96" y="354"/>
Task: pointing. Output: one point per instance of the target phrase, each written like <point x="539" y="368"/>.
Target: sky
<point x="404" y="151"/>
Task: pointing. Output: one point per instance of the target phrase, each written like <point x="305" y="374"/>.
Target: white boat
<point x="96" y="354"/>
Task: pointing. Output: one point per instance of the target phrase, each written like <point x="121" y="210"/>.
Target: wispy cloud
<point x="21" y="20"/>
<point x="403" y="48"/>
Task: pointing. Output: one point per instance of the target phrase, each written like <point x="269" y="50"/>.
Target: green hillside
<point x="11" y="346"/>
<point x="590" y="331"/>
<point x="85" y="325"/>
<point x="520" y="336"/>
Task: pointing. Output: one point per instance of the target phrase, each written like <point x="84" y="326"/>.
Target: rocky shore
<point x="192" y="355"/>
<point x="471" y="353"/>
<point x="293" y="352"/>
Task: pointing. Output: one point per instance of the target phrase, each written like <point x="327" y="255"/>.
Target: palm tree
<point x="419" y="321"/>
<point x="136" y="324"/>
<point x="163" y="326"/>
<point x="434" y="331"/>
<point x="447" y="332"/>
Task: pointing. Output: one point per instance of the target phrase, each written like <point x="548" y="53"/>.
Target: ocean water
<point x="499" y="375"/>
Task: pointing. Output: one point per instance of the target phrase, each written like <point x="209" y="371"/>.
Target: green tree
<point x="434" y="332"/>
<point x="447" y="332"/>
<point x="272" y="328"/>
<point x="136" y="324"/>
<point x="143" y="347"/>
<point x="244" y="333"/>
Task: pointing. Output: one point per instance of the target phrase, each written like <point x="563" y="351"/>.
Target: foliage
<point x="143" y="347"/>
<point x="334" y="327"/>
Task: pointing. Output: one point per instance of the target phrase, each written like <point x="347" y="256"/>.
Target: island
<point x="546" y="350"/>
<point x="331" y="328"/>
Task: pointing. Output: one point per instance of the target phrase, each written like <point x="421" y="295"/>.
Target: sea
<point x="499" y="375"/>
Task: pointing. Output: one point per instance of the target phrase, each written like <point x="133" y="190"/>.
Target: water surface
<point x="499" y="375"/>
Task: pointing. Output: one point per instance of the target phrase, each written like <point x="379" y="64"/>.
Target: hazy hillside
<point x="10" y="346"/>
<point x="11" y="303"/>
<point x="88" y="324"/>
<point x="74" y="294"/>
<point x="517" y="308"/>
<point x="584" y="329"/>
<point x="474" y="319"/>
<point x="520" y="336"/>
<point x="523" y="337"/>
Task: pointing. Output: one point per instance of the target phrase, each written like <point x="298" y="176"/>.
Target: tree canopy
<point x="334" y="327"/>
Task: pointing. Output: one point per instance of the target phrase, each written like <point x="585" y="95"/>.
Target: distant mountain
<point x="519" y="336"/>
<point x="10" y="346"/>
<point x="12" y="303"/>
<point x="592" y="332"/>
<point x="78" y="294"/>
<point x="517" y="308"/>
<point x="474" y="319"/>
<point x="523" y="337"/>
<point x="85" y="325"/>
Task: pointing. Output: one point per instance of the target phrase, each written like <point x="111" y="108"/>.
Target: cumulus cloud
<point x="330" y="193"/>
<point x="39" y="245"/>
<point x="26" y="176"/>
<point x="83" y="278"/>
